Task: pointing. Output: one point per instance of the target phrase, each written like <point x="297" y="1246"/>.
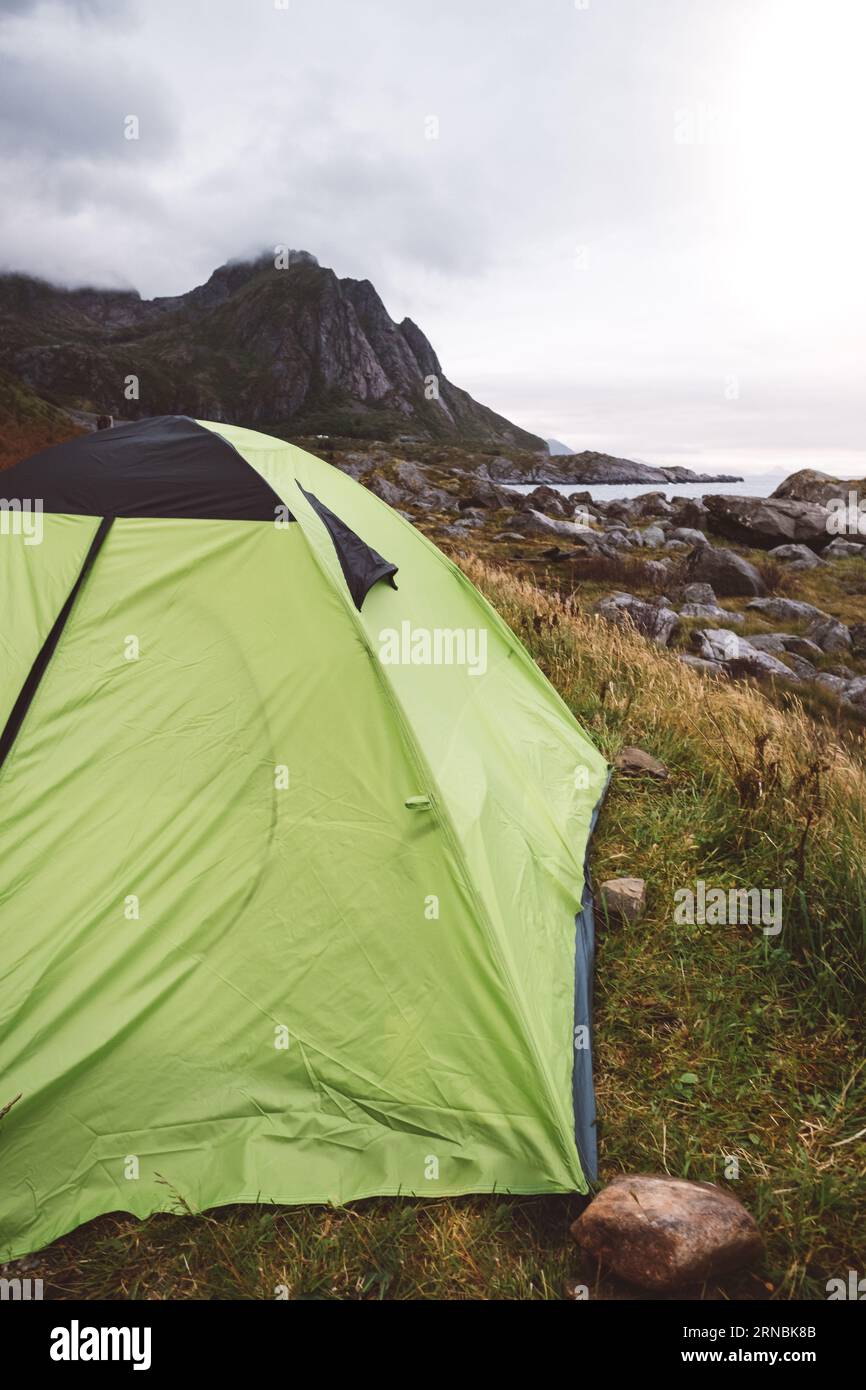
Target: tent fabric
<point x="362" y="566"/>
<point x="292" y="889"/>
<point x="165" y="466"/>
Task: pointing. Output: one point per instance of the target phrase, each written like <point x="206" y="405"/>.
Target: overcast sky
<point x="640" y="225"/>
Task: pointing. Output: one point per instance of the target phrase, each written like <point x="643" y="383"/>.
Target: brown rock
<point x="624" y="898"/>
<point x="634" y="762"/>
<point x="663" y="1233"/>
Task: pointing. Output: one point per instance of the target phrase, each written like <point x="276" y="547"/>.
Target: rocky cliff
<point x="293" y="350"/>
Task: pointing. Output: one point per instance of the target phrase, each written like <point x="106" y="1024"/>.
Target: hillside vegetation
<point x="712" y="1043"/>
<point x="27" y="423"/>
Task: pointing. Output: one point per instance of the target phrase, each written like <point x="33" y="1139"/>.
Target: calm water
<point x="603" y="492"/>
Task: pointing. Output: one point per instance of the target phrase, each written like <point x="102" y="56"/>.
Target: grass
<point x="771" y="1028"/>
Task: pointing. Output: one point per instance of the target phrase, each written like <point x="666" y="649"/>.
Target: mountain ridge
<point x="293" y="348"/>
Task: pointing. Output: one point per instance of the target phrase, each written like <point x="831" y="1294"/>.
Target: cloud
<point x="597" y="214"/>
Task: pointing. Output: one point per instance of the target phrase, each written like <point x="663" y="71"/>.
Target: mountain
<point x="27" y="423"/>
<point x="294" y="351"/>
<point x="557" y="448"/>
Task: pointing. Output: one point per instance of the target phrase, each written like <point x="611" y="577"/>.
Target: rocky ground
<point x="739" y="587"/>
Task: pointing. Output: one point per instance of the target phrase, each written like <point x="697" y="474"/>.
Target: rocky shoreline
<point x="594" y="469"/>
<point x="736" y="587"/>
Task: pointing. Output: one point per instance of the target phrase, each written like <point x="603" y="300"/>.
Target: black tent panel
<point x="362" y="566"/>
<point x="167" y="466"/>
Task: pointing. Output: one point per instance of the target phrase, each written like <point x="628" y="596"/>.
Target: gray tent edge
<point x="583" y="1091"/>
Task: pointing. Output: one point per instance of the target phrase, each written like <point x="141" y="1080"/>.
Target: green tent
<point x="292" y="848"/>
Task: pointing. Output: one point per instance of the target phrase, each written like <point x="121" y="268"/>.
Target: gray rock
<point x="699" y="593"/>
<point x="509" y="536"/>
<point x="737" y="655"/>
<point x="388" y="491"/>
<point x="855" y="693"/>
<point x="653" y="504"/>
<point x="834" y="683"/>
<point x="700" y="663"/>
<point x="802" y="668"/>
<point x="810" y="485"/>
<point x="858" y="638"/>
<point x="801" y="555"/>
<point x="675" y="545"/>
<point x="653" y="537"/>
<point x="545" y="499"/>
<point x="687" y="534"/>
<point x="624" y="898"/>
<point x="658" y="572"/>
<point x="534" y="523"/>
<point x="662" y="1233"/>
<point x="727" y="572"/>
<point x="419" y="489"/>
<point x="711" y="613"/>
<point x="768" y="641"/>
<point x="659" y="624"/>
<point x="620" y="540"/>
<point x="786" y="610"/>
<point x="480" y="492"/>
<point x="830" y="635"/>
<point x="844" y="548"/>
<point x="768" y="522"/>
<point x="689" y="512"/>
<point x="801" y="646"/>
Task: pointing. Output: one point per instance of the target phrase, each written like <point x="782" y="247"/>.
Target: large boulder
<point x="786" y="610"/>
<point x="727" y="572"/>
<point x="657" y="622"/>
<point x="809" y="485"/>
<point x="737" y="655"/>
<point x="689" y="512"/>
<point x="546" y="499"/>
<point x="664" y="1233"/>
<point x="830" y="635"/>
<point x="534" y="523"/>
<point x="768" y="522"/>
<point x="652" y="504"/>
